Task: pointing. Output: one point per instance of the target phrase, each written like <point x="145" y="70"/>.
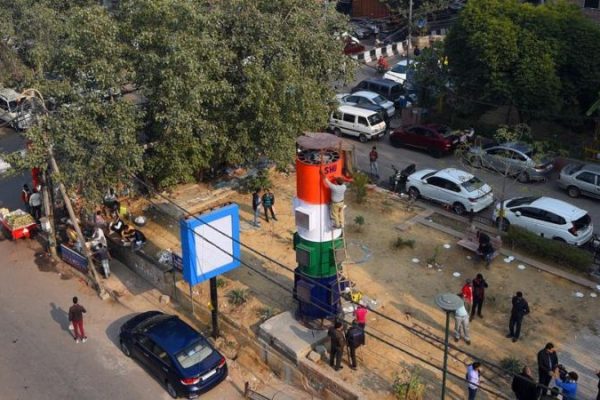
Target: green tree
<point x="231" y="80"/>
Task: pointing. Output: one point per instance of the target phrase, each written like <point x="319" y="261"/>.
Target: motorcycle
<point x="382" y="65"/>
<point x="398" y="179"/>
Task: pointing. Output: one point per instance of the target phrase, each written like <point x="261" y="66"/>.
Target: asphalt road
<point x="401" y="157"/>
<point x="39" y="359"/>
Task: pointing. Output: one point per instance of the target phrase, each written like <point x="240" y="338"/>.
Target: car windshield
<point x="194" y="354"/>
<point x="521" y="201"/>
<point x="375" y="119"/>
<point x="399" y="69"/>
<point x="473" y="184"/>
<point x="379" y="99"/>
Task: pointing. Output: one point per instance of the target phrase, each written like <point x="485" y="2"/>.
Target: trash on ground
<point x="415" y="260"/>
<point x="521" y="266"/>
<point x="456" y="274"/>
<point x="447" y="246"/>
<point x="579" y="294"/>
<point x="593" y="294"/>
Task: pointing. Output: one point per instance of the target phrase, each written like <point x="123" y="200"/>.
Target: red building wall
<point x="369" y="8"/>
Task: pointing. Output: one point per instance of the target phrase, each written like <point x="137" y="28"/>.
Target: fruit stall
<point x="17" y="223"/>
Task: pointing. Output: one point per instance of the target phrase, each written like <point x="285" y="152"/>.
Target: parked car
<point x="366" y="97"/>
<point x="580" y="179"/>
<point x="356" y="121"/>
<point x="400" y="72"/>
<point x="458" y="189"/>
<point x="176" y="354"/>
<point x="361" y="31"/>
<point x="10" y="112"/>
<point x="353" y="47"/>
<point x="513" y="158"/>
<point x="547" y="217"/>
<point x="393" y="91"/>
<point x="437" y="140"/>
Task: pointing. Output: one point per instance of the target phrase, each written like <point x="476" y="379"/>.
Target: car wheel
<point x="414" y="192"/>
<point x="125" y="349"/>
<point x="523" y="177"/>
<point x="363" y="139"/>
<point x="171" y="390"/>
<point x="572" y="191"/>
<point x="503" y="224"/>
<point x="459" y="208"/>
<point x="337" y="132"/>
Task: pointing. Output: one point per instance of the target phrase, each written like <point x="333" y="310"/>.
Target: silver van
<point x="354" y="121"/>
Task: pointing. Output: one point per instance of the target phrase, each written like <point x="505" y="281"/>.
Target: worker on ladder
<point x="336" y="210"/>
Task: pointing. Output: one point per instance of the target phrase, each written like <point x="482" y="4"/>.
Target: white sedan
<point x="460" y="190"/>
<point x="366" y="97"/>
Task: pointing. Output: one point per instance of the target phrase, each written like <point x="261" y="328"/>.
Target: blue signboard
<point x="73" y="258"/>
<point x="210" y="244"/>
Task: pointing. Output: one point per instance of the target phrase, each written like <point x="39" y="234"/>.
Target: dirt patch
<point x="45" y="263"/>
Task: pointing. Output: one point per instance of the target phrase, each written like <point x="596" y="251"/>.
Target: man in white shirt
<point x="461" y="324"/>
<point x="473" y="378"/>
<point x="35" y="204"/>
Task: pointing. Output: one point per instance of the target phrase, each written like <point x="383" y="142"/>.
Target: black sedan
<point x="174" y="352"/>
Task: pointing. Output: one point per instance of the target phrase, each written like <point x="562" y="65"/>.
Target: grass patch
<point x="551" y="250"/>
<point x="401" y="243"/>
<point x="237" y="297"/>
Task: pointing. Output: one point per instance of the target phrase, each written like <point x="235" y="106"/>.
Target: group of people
<point x="352" y="338"/>
<point x="473" y="295"/>
<point x="32" y="201"/>
<point x="267" y="201"/>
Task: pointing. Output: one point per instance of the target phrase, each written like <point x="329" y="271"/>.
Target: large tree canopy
<point x="537" y="58"/>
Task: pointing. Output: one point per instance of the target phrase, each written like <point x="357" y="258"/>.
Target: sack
<point x="71" y="327"/>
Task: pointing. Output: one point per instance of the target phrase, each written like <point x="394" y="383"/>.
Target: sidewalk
<point x="134" y="293"/>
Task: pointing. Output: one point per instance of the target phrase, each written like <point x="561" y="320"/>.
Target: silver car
<point x="513" y="159"/>
<point x="578" y="179"/>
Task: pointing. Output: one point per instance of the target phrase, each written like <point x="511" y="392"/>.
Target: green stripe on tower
<point x="316" y="259"/>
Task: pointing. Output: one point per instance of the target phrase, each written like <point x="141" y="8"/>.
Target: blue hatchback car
<point x="174" y="352"/>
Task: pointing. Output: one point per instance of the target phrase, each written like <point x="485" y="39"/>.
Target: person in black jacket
<point x="524" y="386"/>
<point x="268" y="202"/>
<point x="256" y="202"/>
<point x="338" y="342"/>
<point x="479" y="286"/>
<point x="520" y="308"/>
<point x="355" y="337"/>
<point x="547" y="362"/>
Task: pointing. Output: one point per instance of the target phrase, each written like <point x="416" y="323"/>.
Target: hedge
<point x="551" y="250"/>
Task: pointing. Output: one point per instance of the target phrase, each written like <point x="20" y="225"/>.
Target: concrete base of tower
<point x="317" y="297"/>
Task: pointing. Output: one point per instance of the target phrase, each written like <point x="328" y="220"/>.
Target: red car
<point x="436" y="139"/>
<point x="353" y="47"/>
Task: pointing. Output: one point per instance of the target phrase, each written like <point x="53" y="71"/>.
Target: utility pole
<point x="410" y="12"/>
<point x="49" y="208"/>
<point x="63" y="191"/>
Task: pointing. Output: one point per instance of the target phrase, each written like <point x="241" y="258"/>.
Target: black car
<point x="177" y="355"/>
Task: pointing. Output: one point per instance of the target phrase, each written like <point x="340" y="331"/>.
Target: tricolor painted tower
<point x="316" y="278"/>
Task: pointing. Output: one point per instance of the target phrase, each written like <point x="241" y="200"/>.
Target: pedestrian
<point x="25" y="194"/>
<point x="35" y="205"/>
<point x="524" y="386"/>
<point x="76" y="318"/>
<point x="467" y="295"/>
<point x="461" y="324"/>
<point x="99" y="220"/>
<point x="568" y="385"/>
<point x="360" y="314"/>
<point x="98" y="238"/>
<point x="116" y="225"/>
<point x="473" y="378"/>
<point x="338" y="342"/>
<point x="256" y="202"/>
<point x="520" y="308"/>
<point x="547" y="360"/>
<point x="479" y="286"/>
<point x="268" y="202"/>
<point x="485" y="249"/>
<point x="373" y="156"/>
<point x="336" y="211"/>
<point x="104" y="257"/>
<point x="355" y="337"/>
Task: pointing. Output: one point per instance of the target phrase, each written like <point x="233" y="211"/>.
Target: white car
<point x="458" y="189"/>
<point x="547" y="217"/>
<point x="365" y="97"/>
<point x="10" y="112"/>
<point x="398" y="73"/>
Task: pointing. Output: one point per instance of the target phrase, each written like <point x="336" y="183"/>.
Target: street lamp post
<point x="448" y="302"/>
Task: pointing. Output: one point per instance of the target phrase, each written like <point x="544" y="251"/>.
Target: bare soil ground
<point x="405" y="290"/>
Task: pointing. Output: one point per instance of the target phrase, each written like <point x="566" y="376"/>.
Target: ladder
<point x="343" y="278"/>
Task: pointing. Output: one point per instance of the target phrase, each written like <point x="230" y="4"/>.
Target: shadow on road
<point x="60" y="316"/>
<point x="112" y="331"/>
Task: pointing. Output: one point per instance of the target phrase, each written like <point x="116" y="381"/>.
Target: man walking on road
<point x="373" y="156"/>
<point x="338" y="342"/>
<point x="479" y="286"/>
<point x="76" y="318"/>
<point x="520" y="308"/>
<point x="547" y="360"/>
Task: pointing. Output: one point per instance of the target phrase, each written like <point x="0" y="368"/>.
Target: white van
<point x="354" y="121"/>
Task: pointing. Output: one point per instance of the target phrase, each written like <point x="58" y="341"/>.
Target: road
<point x="39" y="359"/>
<point x="401" y="157"/>
<point x="10" y="186"/>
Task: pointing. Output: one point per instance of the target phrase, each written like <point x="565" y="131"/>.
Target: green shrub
<point x="237" y="297"/>
<point x="433" y="260"/>
<point x="512" y="364"/>
<point x="221" y="283"/>
<point x="264" y="313"/>
<point x="259" y="181"/>
<point x="401" y="243"/>
<point x="359" y="221"/>
<point x="409" y="387"/>
<point x="359" y="185"/>
<point x="551" y="250"/>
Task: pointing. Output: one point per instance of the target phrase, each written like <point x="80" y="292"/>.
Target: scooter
<point x="398" y="179"/>
<point x="382" y="65"/>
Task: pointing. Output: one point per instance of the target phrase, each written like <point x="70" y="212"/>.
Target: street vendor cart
<point x="17" y="223"/>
